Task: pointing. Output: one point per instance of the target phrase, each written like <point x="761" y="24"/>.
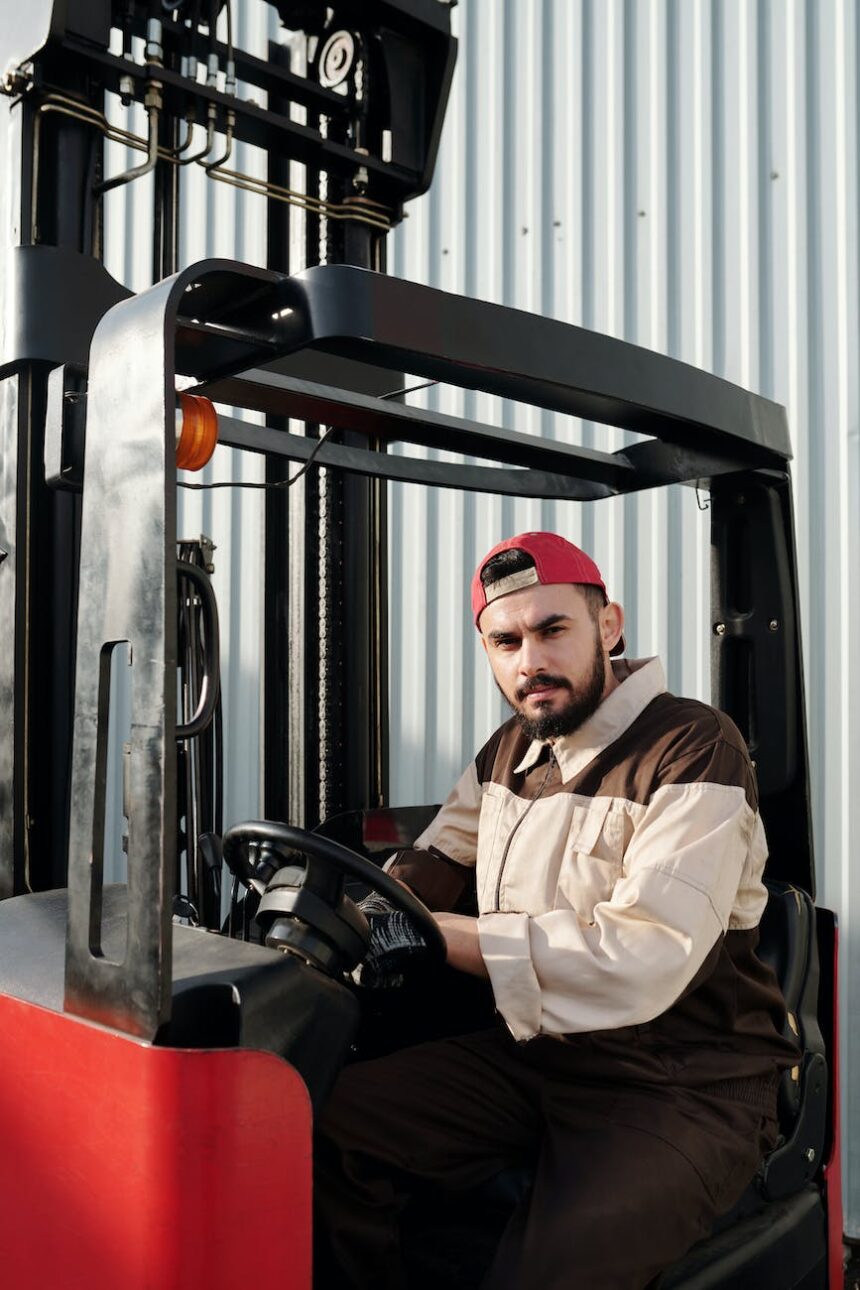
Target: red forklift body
<point x="147" y="1168"/>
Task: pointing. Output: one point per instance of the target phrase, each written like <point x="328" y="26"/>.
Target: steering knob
<point x="313" y="918"/>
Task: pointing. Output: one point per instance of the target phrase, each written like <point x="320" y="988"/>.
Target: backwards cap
<point x="555" y="560"/>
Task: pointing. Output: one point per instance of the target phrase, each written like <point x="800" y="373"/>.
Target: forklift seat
<point x="774" y="1238"/>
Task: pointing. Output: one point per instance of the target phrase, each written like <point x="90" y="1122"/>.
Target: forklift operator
<point x="610" y="832"/>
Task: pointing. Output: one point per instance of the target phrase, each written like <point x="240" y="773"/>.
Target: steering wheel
<point x="306" y="908"/>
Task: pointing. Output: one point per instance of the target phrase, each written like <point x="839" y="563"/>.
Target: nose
<point x="531" y="659"/>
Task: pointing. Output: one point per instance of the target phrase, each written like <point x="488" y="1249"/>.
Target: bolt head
<point x="719" y="629"/>
<point x="809" y="1153"/>
<point x="773" y="625"/>
<point x="15" y="81"/>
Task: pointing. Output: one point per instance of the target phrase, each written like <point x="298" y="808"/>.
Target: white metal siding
<point x="684" y="174"/>
<point x="681" y="173"/>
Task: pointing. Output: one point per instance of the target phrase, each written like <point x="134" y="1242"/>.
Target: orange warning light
<point x="196" y="431"/>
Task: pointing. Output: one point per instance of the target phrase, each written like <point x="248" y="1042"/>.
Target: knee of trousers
<point x="351" y="1112"/>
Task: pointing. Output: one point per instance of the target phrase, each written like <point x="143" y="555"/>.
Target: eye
<point x="554" y="630"/>
<point x="506" y="642"/>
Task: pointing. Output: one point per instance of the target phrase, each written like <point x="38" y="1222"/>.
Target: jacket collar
<point x="641" y="681"/>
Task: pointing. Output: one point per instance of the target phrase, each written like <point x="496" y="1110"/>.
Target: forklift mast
<point x="372" y="100"/>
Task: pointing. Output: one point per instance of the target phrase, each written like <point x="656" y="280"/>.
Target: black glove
<point x="396" y="945"/>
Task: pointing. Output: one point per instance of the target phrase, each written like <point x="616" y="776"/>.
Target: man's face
<point x="550" y="656"/>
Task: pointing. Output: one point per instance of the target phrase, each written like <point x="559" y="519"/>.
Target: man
<point x="613" y="834"/>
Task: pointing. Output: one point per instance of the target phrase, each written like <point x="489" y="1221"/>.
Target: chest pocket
<point x="592" y="857"/>
<point x="563" y="854"/>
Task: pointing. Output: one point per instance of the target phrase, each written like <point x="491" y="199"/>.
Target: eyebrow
<point x="549" y="621"/>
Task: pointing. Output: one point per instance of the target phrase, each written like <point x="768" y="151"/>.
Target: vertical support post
<point x="14" y="212"/>
<point x="165" y="241"/>
<point x="11" y="764"/>
<point x="756" y="663"/>
<point x="128" y="594"/>
<point x="286" y="751"/>
<point x="355" y="605"/>
<point x="45" y="198"/>
<point x="11" y="805"/>
<point x="326" y="744"/>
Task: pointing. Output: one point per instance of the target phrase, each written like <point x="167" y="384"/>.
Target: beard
<point x="583" y="702"/>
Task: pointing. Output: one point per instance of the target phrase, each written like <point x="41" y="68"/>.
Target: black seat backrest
<point x="788" y="944"/>
<point x="782" y="1242"/>
<point x="379" y="832"/>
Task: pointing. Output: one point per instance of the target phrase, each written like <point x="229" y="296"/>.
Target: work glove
<point x="396" y="945"/>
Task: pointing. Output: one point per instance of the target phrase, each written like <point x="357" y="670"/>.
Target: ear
<point x="611" y="625"/>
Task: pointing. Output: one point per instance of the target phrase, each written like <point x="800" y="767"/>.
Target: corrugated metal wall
<point x="681" y="173"/>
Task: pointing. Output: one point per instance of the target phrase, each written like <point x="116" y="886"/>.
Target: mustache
<point x="541" y="682"/>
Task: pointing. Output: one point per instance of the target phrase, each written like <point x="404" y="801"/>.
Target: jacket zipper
<point x="514" y="830"/>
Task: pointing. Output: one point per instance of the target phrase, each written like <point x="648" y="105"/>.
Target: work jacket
<point x="618" y="876"/>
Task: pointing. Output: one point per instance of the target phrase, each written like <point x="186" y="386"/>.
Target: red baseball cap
<point x="555" y="560"/>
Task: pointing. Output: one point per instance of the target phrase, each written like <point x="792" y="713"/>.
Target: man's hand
<point x="396" y="945"/>
<point x="461" y="937"/>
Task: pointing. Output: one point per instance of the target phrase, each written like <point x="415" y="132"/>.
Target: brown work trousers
<point x="631" y="1167"/>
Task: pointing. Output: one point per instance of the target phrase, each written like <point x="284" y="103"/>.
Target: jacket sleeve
<point x="691" y="870"/>
<point x="440" y="866"/>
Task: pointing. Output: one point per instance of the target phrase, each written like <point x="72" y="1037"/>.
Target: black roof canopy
<point x="697" y="425"/>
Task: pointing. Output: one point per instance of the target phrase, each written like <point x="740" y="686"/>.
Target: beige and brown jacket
<point x="618" y="874"/>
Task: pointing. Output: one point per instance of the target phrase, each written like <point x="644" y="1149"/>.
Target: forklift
<point x="165" y="1047"/>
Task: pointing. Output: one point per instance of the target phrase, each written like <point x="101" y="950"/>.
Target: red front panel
<point x="128" y="1167"/>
